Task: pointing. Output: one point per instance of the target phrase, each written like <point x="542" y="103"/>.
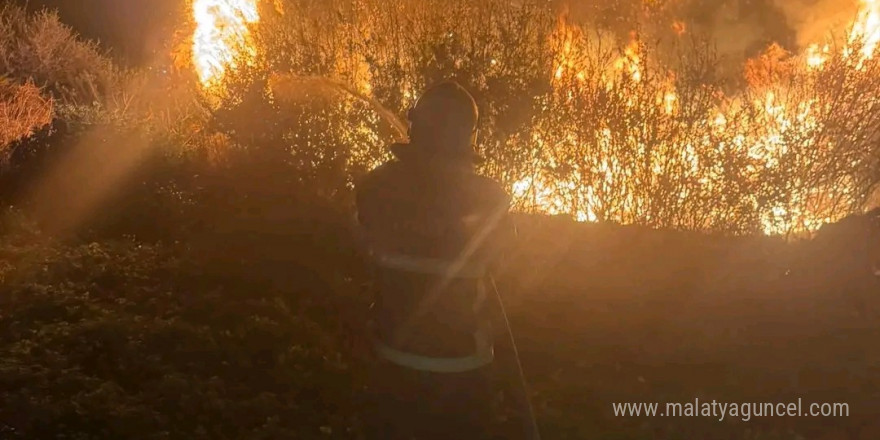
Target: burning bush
<point x="576" y="121"/>
<point x="51" y="72"/>
<point x="23" y="110"/>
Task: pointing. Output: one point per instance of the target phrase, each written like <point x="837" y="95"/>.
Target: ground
<point x="258" y="332"/>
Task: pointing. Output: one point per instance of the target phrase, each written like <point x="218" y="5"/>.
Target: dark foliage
<point x="121" y="339"/>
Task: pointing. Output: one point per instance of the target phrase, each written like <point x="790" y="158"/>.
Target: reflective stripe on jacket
<point x="422" y="229"/>
<point x="484" y="352"/>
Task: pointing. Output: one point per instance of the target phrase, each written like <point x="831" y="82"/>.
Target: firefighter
<point x="431" y="227"/>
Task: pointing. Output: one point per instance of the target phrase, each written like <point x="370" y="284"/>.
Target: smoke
<point x="813" y="20"/>
<point x="134" y="30"/>
<point x="747" y="27"/>
<point x="739" y="28"/>
<point x="751" y="25"/>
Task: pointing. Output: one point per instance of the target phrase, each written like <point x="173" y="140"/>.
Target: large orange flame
<point x="867" y="29"/>
<point x="764" y="145"/>
<point x="222" y="36"/>
<point x="222" y="40"/>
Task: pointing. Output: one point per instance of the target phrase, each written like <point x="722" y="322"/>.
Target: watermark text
<point x="744" y="411"/>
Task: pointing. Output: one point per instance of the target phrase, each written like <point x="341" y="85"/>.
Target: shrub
<point x="38" y="46"/>
<point x="577" y="121"/>
<point x="23" y="110"/>
<point x="120" y="339"/>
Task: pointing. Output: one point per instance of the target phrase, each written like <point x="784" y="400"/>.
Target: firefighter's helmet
<point x="444" y="120"/>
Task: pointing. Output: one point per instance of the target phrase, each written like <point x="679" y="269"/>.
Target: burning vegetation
<point x="222" y="36"/>
<point x="177" y="232"/>
<point x="580" y="121"/>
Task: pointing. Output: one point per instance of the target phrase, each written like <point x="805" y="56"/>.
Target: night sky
<point x="133" y="30"/>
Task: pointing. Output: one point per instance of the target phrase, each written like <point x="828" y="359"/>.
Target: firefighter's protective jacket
<point x="431" y="228"/>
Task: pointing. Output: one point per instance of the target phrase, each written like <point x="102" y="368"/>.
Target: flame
<point x="817" y="57"/>
<point x="866" y="30"/>
<point x="222" y="36"/>
<point x="763" y="139"/>
<point x="669" y="102"/>
<point x="861" y="45"/>
<point x="567" y="59"/>
<point x="630" y="61"/>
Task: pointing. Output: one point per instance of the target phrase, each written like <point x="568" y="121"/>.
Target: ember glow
<point x="221" y="36"/>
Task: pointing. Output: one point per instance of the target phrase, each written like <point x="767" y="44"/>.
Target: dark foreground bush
<point x="120" y="339"/>
<point x="242" y="331"/>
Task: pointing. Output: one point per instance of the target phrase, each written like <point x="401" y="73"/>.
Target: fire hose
<point x="530" y="422"/>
